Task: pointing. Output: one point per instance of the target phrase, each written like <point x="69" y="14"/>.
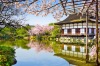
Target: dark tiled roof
<point x="71" y="18"/>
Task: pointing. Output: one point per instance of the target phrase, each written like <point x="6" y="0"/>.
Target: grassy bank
<point x="76" y="61"/>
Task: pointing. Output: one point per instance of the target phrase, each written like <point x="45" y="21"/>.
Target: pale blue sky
<point x="34" y="20"/>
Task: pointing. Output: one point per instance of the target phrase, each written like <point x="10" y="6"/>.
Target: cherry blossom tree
<point x="9" y="13"/>
<point x="92" y="52"/>
<point x="58" y="8"/>
<point x="37" y="30"/>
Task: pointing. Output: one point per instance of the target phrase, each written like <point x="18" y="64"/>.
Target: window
<point x="62" y="31"/>
<point x="84" y="24"/>
<point x="80" y="25"/>
<point x="63" y="26"/>
<point x="69" y="31"/>
<point x="94" y="31"/>
<point x="65" y="31"/>
<point x="90" y="31"/>
<point x="71" y="25"/>
<point x="73" y="31"/>
<point x="77" y="30"/>
<point x="82" y="31"/>
<point x="67" y="25"/>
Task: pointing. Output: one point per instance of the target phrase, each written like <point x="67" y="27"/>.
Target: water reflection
<point x="74" y="51"/>
<point x="44" y="53"/>
<point x="15" y="43"/>
<point x="38" y="46"/>
<point x="39" y="54"/>
<point x="73" y="48"/>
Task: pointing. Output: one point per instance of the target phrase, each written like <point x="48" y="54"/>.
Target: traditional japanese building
<point x="73" y="28"/>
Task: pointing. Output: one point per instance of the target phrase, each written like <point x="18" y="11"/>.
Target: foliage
<point x="7" y="33"/>
<point x="21" y="32"/>
<point x="8" y="43"/>
<point x="56" y="31"/>
<point x="10" y="32"/>
<point x="6" y="56"/>
<point x="6" y="30"/>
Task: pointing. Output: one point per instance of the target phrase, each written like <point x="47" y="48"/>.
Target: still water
<point x="35" y="53"/>
<point x="38" y="55"/>
<point x="33" y="58"/>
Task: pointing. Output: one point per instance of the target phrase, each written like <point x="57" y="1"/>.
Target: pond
<point x="36" y="53"/>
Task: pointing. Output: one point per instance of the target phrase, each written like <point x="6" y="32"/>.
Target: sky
<point x="34" y="20"/>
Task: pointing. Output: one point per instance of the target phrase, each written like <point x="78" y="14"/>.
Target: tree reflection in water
<point x="39" y="46"/>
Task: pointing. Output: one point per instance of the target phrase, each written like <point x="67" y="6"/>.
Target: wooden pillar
<point x="87" y="55"/>
<point x="97" y="33"/>
<point x="77" y="36"/>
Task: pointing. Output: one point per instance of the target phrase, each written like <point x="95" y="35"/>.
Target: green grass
<point x="76" y="61"/>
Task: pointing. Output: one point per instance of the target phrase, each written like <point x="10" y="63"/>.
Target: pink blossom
<point x="93" y="51"/>
<point x="40" y="29"/>
<point x="40" y="47"/>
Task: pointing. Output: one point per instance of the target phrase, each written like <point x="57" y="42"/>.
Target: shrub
<point x="6" y="56"/>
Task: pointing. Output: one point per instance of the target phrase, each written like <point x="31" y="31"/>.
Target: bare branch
<point x="32" y="2"/>
<point x="63" y="6"/>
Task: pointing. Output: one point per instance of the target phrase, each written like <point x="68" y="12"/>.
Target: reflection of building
<point x="74" y="54"/>
<point x="75" y="51"/>
<point x="75" y="27"/>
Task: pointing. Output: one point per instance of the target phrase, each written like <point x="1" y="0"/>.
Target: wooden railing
<point x="77" y="34"/>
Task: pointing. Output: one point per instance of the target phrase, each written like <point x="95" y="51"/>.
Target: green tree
<point x="56" y="31"/>
<point x="21" y="32"/>
<point x="6" y="32"/>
